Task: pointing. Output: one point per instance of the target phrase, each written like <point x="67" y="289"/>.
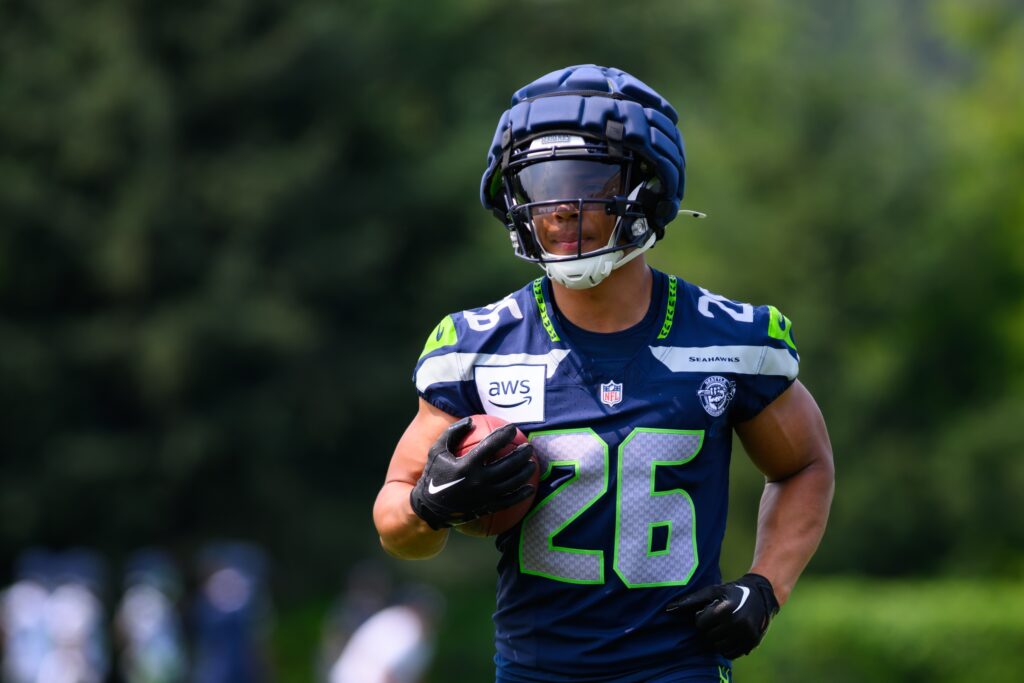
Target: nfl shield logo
<point x="611" y="394"/>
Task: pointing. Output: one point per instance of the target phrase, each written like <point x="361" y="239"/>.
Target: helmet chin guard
<point x="590" y="271"/>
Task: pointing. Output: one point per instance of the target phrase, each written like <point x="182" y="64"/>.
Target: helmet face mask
<point x="569" y="199"/>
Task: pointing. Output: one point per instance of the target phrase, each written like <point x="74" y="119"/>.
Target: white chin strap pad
<point x="588" y="272"/>
<point x="582" y="273"/>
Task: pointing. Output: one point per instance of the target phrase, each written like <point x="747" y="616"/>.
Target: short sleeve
<point x="440" y="375"/>
<point x="777" y="367"/>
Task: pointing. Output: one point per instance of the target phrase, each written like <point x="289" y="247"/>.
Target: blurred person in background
<point x="630" y="383"/>
<point x="53" y="619"/>
<point x="147" y="621"/>
<point x="232" y="615"/>
<point x="26" y="637"/>
<point x="368" y="589"/>
<point x="77" y="625"/>
<point x="395" y="645"/>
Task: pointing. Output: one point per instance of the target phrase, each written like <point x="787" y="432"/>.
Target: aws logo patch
<point x="515" y="390"/>
<point x="512" y="392"/>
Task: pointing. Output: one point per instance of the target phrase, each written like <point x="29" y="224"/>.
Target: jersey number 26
<point x="641" y="512"/>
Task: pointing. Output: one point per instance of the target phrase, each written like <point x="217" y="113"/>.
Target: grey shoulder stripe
<point x="458" y="367"/>
<point x="744" y="360"/>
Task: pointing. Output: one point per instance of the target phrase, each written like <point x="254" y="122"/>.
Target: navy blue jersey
<point x="632" y="502"/>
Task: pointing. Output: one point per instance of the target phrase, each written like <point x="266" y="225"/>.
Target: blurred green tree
<point x="227" y="227"/>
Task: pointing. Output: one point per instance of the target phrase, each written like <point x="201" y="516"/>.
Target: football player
<point x="630" y="383"/>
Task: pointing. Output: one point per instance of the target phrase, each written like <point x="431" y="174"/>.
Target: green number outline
<point x="548" y="498"/>
<point x="655" y="464"/>
<point x="575" y="464"/>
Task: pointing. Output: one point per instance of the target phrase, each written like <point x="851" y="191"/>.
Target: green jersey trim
<point x="670" y="308"/>
<point x="542" y="308"/>
<point x="443" y="335"/>
<point x="779" y="327"/>
<point x="666" y="326"/>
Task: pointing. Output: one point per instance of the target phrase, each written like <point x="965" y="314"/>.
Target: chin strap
<point x="590" y="271"/>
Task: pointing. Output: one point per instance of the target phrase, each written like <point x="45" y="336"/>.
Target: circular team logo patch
<point x="715" y="394"/>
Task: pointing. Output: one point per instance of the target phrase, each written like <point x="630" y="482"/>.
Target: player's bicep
<point x="788" y="436"/>
<point x="410" y="454"/>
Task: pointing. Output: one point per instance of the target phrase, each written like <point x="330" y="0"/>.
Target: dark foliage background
<point x="226" y="227"/>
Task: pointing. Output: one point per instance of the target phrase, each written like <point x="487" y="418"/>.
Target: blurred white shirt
<point x="392" y="646"/>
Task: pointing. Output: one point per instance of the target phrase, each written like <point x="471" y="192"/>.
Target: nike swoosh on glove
<point x="454" y="490"/>
<point x="731" y="617"/>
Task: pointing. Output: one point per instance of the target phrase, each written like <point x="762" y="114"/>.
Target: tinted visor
<point x="572" y="179"/>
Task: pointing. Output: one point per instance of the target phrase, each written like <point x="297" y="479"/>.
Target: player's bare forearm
<point x="790" y="524"/>
<point x="788" y="441"/>
<point x="402" y="533"/>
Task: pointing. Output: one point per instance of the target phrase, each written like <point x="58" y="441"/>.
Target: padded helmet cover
<point x="585" y="99"/>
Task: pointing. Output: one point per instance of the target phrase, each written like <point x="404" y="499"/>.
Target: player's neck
<point x="618" y="303"/>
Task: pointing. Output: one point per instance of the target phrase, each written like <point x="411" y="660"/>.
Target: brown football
<point x="503" y="520"/>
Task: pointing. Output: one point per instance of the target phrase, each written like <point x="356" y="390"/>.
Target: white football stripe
<point x="744" y="360"/>
<point x="458" y="367"/>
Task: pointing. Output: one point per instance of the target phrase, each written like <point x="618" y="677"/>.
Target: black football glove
<point x="455" y="490"/>
<point x="731" y="617"/>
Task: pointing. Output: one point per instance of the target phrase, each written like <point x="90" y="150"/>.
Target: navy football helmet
<point x="585" y="141"/>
